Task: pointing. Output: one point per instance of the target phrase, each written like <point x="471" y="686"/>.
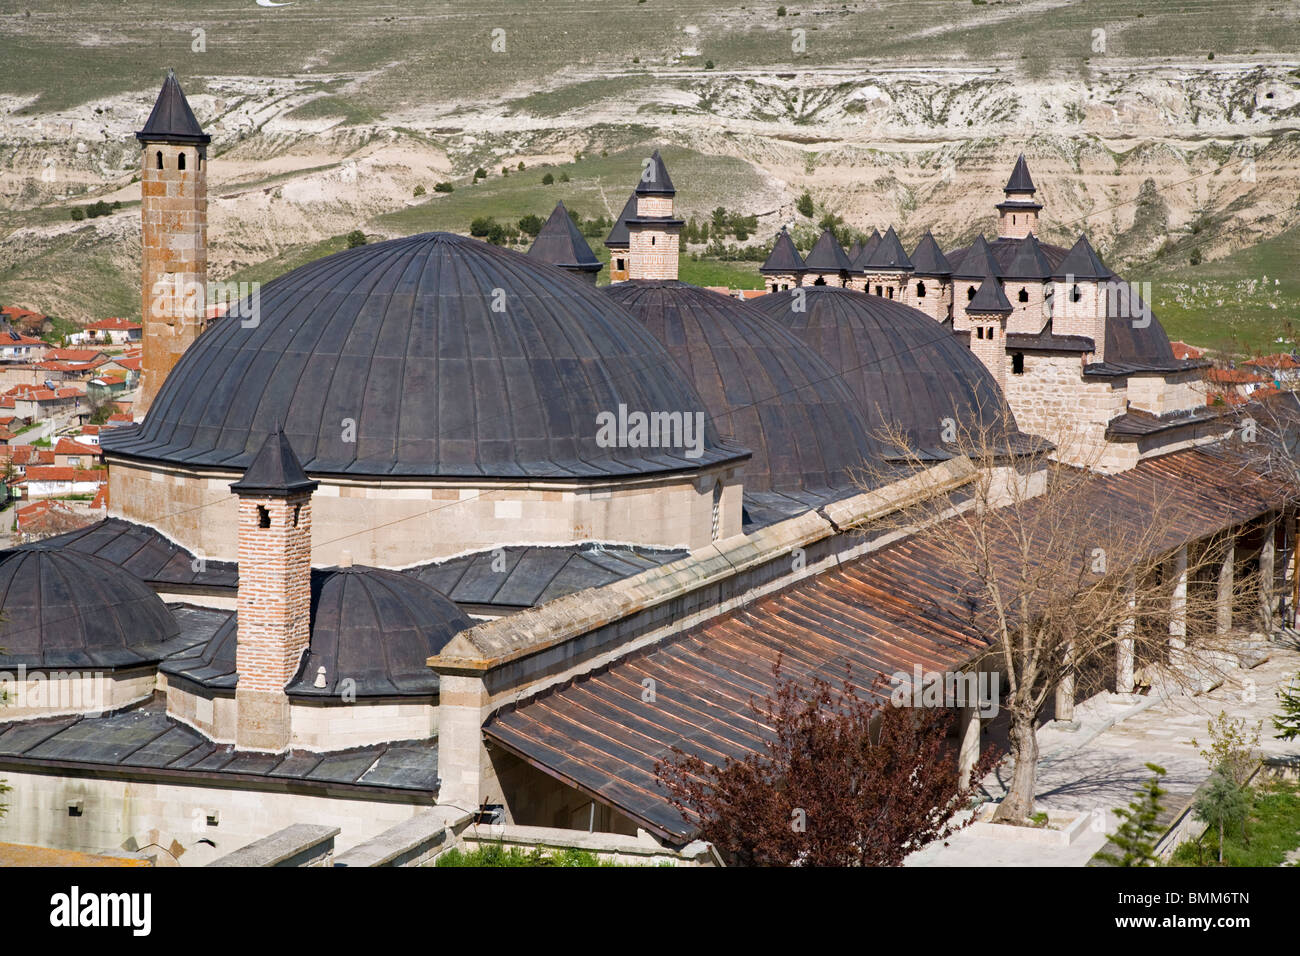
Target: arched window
<point x="1013" y="219"/>
<point x="717" y="510"/>
<point x="970" y="293"/>
<point x="1024" y="295"/>
<point x="880" y="290"/>
<point x="180" y="161"/>
<point x="1018" y="364"/>
<point x="890" y="292"/>
<point x="821" y="280"/>
<point x="920" y="290"/>
<point x="263" y="517"/>
<point x="160" y="159"/>
<point x="1075" y="293"/>
<point x="652" y="240"/>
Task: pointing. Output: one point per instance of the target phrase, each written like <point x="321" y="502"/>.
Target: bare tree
<point x="1065" y="585"/>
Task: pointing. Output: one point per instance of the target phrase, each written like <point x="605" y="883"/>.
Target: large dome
<point x="69" y="609"/>
<point x="906" y="370"/>
<point x="763" y="386"/>
<point x="432" y="355"/>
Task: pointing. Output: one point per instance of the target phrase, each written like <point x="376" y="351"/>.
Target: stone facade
<point x="174" y="257"/>
<point x="653" y="247"/>
<point x="396" y="524"/>
<point x="936" y="302"/>
<point x="988" y="343"/>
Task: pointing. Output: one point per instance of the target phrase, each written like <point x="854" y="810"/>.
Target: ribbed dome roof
<point x="452" y="357"/>
<point x="905" y="369"/>
<point x="69" y="609"/>
<point x="369" y="625"/>
<point x="764" y="387"/>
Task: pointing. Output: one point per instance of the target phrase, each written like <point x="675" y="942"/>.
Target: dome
<point x="428" y="356"/>
<point x="374" y="626"/>
<point x="377" y="628"/>
<point x="764" y="387"/>
<point x="905" y="369"/>
<point x="69" y="609"/>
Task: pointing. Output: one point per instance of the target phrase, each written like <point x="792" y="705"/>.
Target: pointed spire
<point x="784" y="257"/>
<point x="978" y="262"/>
<point x="654" y="178"/>
<point x="1020" y="181"/>
<point x="172" y="120"/>
<point x="868" y="250"/>
<point x="1081" y="262"/>
<point x="1029" y="262"/>
<point x="275" y="470"/>
<point x="889" y="254"/>
<point x="928" y="259"/>
<point x="990" y="299"/>
<point x="618" y="236"/>
<point x="827" y="255"/>
<point x="561" y="244"/>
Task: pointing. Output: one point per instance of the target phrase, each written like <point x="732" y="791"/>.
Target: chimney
<point x="274" y="601"/>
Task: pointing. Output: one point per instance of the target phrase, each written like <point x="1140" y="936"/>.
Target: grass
<point x="1272" y="831"/>
<point x="494" y="854"/>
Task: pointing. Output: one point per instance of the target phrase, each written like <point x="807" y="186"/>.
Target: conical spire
<point x="275" y="470"/>
<point x="1020" y="181"/>
<point x="618" y="236"/>
<point x="928" y="259"/>
<point x="978" y="261"/>
<point x="654" y="178"/>
<point x="784" y="257"/>
<point x="1081" y="262"/>
<point x="855" y="250"/>
<point x="172" y="120"/>
<point x="561" y="244"/>
<point x="827" y="255"/>
<point x="889" y="254"/>
<point x="1029" y="262"/>
<point x="868" y="250"/>
<point x="989" y="299"/>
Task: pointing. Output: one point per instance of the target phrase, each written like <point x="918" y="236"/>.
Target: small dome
<point x="905" y="369"/>
<point x="374" y="626"/>
<point x="377" y="628"/>
<point x="431" y="356"/>
<point x="69" y="609"/>
<point x="764" y="387"/>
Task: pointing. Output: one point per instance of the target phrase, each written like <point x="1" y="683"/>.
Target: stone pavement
<point x="1102" y="764"/>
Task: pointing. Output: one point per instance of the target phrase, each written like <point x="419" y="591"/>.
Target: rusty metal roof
<point x="885" y="612"/>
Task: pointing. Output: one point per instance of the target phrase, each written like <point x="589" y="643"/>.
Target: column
<point x="969" y="752"/>
<point x="1065" y="691"/>
<point x="1178" y="608"/>
<point x="1124" y="647"/>
<point x="1267" y="572"/>
<point x="1223" y="603"/>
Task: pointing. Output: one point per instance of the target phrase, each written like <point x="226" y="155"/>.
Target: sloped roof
<point x="784" y="257"/>
<point x="889" y="253"/>
<point x="990" y="299"/>
<point x="618" y="236"/>
<point x="827" y="255"/>
<point x="561" y="244"/>
<point x="868" y="249"/>
<point x="978" y="262"/>
<point x="1029" y="262"/>
<point x="655" y="180"/>
<point x="172" y="120"/>
<point x="1081" y="262"/>
<point x="275" y="470"/>
<point x="928" y="259"/>
<point x="1020" y="181"/>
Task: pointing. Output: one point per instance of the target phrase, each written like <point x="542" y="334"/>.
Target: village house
<point x="107" y="332"/>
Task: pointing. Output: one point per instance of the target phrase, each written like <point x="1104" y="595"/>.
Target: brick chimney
<point x="274" y="602"/>
<point x="174" y="239"/>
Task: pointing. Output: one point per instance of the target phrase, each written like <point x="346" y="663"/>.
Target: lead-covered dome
<point x="68" y="609"/>
<point x="433" y="355"/>
<point x="764" y="387"/>
<point x="906" y="370"/>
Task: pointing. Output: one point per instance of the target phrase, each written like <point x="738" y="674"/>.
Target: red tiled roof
<point x="1184" y="351"/>
<point x="113" y="325"/>
<point x="1280" y="362"/>
<point x="122" y="419"/>
<point x="1234" y="376"/>
<point x="133" y="363"/>
<point x="29" y="455"/>
<point x="64" y="473"/>
<point x="69" y="446"/>
<point x="75" y="355"/>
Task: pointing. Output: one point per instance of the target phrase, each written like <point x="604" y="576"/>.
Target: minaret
<point x="988" y="313"/>
<point x="174" y="241"/>
<point x="1018" y="213"/>
<point x="654" y="233"/>
<point x="273" y="606"/>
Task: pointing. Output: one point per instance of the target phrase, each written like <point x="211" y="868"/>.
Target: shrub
<point x="419" y="191"/>
<point x="480" y="173"/>
<point x="481" y="226"/>
<point x="564" y="177"/>
<point x="356" y="238"/>
<point x="77" y="213"/>
<point x="443" y="187"/>
<point x="531" y="224"/>
<point x="805" y="205"/>
<point x="548" y="179"/>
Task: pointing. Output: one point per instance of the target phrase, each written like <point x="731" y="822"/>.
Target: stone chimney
<point x="174" y="239"/>
<point x="654" y="234"/>
<point x="274" y="601"/>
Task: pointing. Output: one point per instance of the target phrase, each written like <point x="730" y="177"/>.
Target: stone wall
<point x="402" y="523"/>
<point x="45" y="692"/>
<point x="937" y="299"/>
<point x="1051" y="398"/>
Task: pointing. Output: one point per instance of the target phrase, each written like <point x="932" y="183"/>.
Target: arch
<point x="820" y="280"/>
<point x="160" y="162"/>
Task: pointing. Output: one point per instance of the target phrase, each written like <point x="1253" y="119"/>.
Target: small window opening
<point x="160" y="166"/>
<point x="1024" y="295"/>
<point x="652" y="240"/>
<point x="890" y="292"/>
<point x="717" y="510"/>
<point x="297" y="510"/>
<point x="180" y="161"/>
<point x="821" y="280"/>
<point x="920" y="290"/>
<point x="263" y="517"/>
<point x="970" y="293"/>
<point x="1018" y="364"/>
<point x="1075" y="293"/>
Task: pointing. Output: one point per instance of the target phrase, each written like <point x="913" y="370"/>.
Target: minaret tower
<point x="273" y="606"/>
<point x="174" y="241"/>
<point x="1018" y="213"/>
<point x="654" y="233"/>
